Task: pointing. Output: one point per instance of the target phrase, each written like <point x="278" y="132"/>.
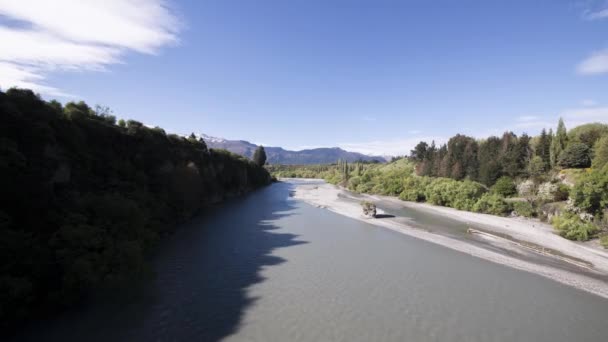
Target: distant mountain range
<point x="278" y="155"/>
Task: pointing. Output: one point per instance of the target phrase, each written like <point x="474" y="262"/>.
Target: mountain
<point x="278" y="155"/>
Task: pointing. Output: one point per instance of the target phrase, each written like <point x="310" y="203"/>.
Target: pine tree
<point x="543" y="149"/>
<point x="259" y="156"/>
<point x="559" y="142"/>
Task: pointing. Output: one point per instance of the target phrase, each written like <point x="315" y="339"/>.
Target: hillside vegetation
<point x="561" y="177"/>
<point x="84" y="197"/>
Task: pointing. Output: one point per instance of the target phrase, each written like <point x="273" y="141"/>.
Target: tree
<point x="419" y="153"/>
<point x="489" y="163"/>
<point x="504" y="186"/>
<point x="259" y="156"/>
<point x="601" y="153"/>
<point x="576" y="155"/>
<point x="536" y="167"/>
<point x="588" y="134"/>
<point x="543" y="149"/>
<point x="559" y="142"/>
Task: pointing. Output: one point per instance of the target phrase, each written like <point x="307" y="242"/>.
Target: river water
<point x="269" y="268"/>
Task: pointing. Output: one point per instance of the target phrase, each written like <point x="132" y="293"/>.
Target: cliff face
<point x="83" y="198"/>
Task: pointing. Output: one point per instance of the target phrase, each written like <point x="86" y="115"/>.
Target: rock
<point x="369" y="209"/>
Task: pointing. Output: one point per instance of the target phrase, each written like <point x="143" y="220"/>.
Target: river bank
<point x="523" y="244"/>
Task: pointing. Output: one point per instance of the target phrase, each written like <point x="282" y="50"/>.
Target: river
<point x="268" y="268"/>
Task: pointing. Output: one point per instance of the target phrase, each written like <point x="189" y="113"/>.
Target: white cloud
<point x="589" y="103"/>
<point x="579" y="116"/>
<point x="395" y="147"/>
<point x="597" y="63"/>
<point x="601" y="14"/>
<point x="64" y="35"/>
<point x="530" y="122"/>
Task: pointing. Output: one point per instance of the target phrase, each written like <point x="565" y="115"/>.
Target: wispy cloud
<point x="597" y="63"/>
<point x="579" y="116"/>
<point x="596" y="15"/>
<point x="62" y="35"/>
<point x="531" y="122"/>
<point x="589" y="103"/>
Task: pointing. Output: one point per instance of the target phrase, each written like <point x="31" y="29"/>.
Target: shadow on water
<point x="203" y="274"/>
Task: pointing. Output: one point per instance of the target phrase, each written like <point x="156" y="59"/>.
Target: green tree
<point x="543" y="149"/>
<point x="489" y="163"/>
<point x="588" y="134"/>
<point x="576" y="155"/>
<point x="259" y="156"/>
<point x="601" y="153"/>
<point x="536" y="168"/>
<point x="559" y="142"/>
<point x="504" y="186"/>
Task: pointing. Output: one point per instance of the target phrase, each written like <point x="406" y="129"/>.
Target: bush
<point x="413" y="189"/>
<point x="524" y="208"/>
<point x="590" y="193"/>
<point x="492" y="204"/>
<point x="576" y="155"/>
<point x="572" y="227"/>
<point x="504" y="186"/>
<point x="451" y="193"/>
<point x="604" y="240"/>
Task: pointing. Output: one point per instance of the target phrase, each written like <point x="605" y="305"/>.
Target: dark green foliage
<point x="491" y="203"/>
<point x="537" y="168"/>
<point x="588" y="134"/>
<point x="559" y="142"/>
<point x="259" y="156"/>
<point x="571" y="227"/>
<point x="543" y="149"/>
<point x="524" y="208"/>
<point x="505" y="187"/>
<point x="604" y="240"/>
<point x="576" y="155"/>
<point x="83" y="199"/>
<point x="601" y="153"/>
<point x="590" y="192"/>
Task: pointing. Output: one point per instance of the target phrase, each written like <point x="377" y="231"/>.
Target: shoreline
<point x="587" y="265"/>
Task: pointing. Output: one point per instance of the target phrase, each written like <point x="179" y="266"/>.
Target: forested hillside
<point x="280" y="156"/>
<point x="85" y="197"/>
<point x="561" y="177"/>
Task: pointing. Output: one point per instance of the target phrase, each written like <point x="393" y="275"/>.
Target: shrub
<point x="414" y="188"/>
<point x="451" y="193"/>
<point x="492" y="204"/>
<point x="604" y="240"/>
<point x="590" y="193"/>
<point x="524" y="208"/>
<point x="576" y="155"/>
<point x="572" y="227"/>
<point x="504" y="186"/>
<point x="601" y="153"/>
<point x="562" y="193"/>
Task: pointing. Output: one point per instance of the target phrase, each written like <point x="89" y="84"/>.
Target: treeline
<point x="85" y="196"/>
<point x="513" y="156"/>
<point x="561" y="178"/>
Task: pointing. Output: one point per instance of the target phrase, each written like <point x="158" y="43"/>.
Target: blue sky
<point x="370" y="76"/>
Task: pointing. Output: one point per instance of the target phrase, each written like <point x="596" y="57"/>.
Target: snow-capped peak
<point x="211" y="139"/>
